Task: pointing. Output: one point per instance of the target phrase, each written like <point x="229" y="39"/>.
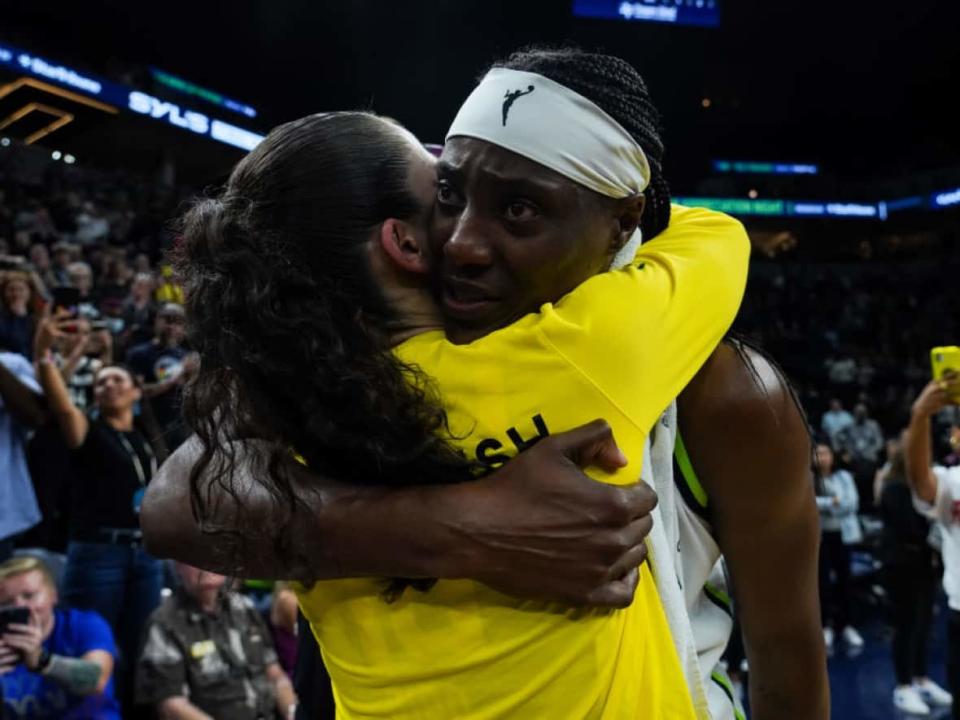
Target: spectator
<point x="92" y="227"/>
<point x="908" y="562"/>
<point x="163" y="365"/>
<point x="937" y="491"/>
<point x="842" y="370"/>
<point x="60" y="664"/>
<point x="114" y="283"/>
<point x="81" y="277"/>
<point x="16" y="320"/>
<point x="859" y="444"/>
<point x="138" y="310"/>
<point x="40" y="259"/>
<point x="892" y="450"/>
<point x="838" y="502"/>
<point x="835" y="420"/>
<point x="21" y="407"/>
<point x="107" y="568"/>
<point x="62" y="257"/>
<point x="207" y="653"/>
<point x="168" y="291"/>
<point x="33" y="220"/>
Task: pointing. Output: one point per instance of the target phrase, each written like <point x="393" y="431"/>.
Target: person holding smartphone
<point x="55" y="661"/>
<point x="936" y="491"/>
<point x="107" y="568"/>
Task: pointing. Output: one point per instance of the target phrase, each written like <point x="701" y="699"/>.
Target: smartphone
<point x="944" y="359"/>
<point x="66" y="298"/>
<point x="13" y="615"/>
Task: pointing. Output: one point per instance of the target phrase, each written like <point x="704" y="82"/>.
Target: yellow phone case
<point x="943" y="359"/>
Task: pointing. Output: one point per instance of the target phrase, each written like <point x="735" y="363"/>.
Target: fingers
<point x="631" y="560"/>
<point x="23" y="628"/>
<point x="16" y="632"/>
<point x="616" y="593"/>
<point x="638" y="500"/>
<point x="591" y="444"/>
<point x="20" y="642"/>
<point x="19" y="636"/>
<point x="9" y="659"/>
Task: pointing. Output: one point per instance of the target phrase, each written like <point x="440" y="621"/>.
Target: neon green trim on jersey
<point x="689" y="474"/>
<point x="724" y="682"/>
<point x="717" y="594"/>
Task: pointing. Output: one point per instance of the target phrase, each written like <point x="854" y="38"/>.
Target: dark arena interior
<point x="281" y="285"/>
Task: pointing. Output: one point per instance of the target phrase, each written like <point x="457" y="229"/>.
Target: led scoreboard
<point x="705" y="13"/>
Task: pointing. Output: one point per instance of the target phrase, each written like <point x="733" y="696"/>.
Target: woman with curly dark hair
<point x="295" y="336"/>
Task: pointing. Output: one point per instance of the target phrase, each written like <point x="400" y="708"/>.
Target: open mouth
<point x="464" y="298"/>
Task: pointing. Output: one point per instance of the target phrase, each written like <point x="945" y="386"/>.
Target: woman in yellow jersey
<point x="275" y="249"/>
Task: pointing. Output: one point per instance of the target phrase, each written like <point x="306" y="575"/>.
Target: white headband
<point x="550" y="124"/>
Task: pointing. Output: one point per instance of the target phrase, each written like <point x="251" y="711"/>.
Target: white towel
<point x="662" y="546"/>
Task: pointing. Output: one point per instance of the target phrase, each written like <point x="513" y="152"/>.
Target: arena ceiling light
<point x="62" y="118"/>
<point x="54" y="90"/>
<point x="102" y="91"/>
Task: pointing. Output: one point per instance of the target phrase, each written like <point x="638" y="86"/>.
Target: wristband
<point x="44" y="662"/>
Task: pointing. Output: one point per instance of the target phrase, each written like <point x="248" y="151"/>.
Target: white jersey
<point x="946" y="511"/>
<point x="687" y="554"/>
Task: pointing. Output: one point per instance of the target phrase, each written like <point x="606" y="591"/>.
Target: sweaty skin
<point x="766" y="523"/>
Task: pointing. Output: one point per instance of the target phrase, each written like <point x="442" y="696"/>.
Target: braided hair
<point x="617" y="88"/>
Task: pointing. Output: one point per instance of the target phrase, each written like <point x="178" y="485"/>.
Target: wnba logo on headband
<point x="511" y="97"/>
<point x="555" y="127"/>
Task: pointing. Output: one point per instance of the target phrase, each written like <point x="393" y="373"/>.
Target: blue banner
<point x="705" y="13"/>
<point x="127" y="98"/>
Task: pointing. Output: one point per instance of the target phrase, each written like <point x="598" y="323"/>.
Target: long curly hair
<point x="292" y="331"/>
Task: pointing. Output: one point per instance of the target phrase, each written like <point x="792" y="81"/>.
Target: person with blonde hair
<point x="59" y="663"/>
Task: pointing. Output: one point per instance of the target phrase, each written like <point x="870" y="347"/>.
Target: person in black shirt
<point x="911" y="583"/>
<point x="107" y="568"/>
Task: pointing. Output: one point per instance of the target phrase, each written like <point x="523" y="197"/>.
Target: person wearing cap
<point x="163" y="365"/>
